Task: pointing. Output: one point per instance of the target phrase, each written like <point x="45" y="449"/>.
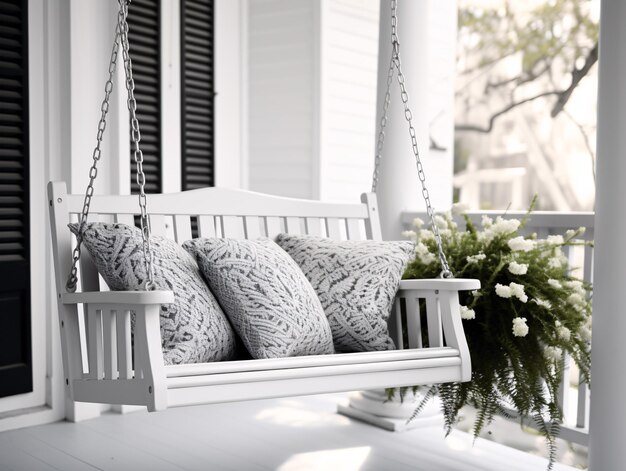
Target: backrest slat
<point x="253" y="227"/>
<point x="354" y="229"/>
<point x="273" y="227"/>
<point x="293" y="225"/>
<point x="334" y="230"/>
<point x="232" y="226"/>
<point x="182" y="228"/>
<point x="206" y="226"/>
<point x="127" y="219"/>
<point x="157" y="225"/>
<point x="314" y="226"/>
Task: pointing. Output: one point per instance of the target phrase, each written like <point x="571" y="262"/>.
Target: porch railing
<point x="574" y="393"/>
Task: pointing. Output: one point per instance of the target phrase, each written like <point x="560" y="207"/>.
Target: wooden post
<point x="399" y="187"/>
<point x="608" y="414"/>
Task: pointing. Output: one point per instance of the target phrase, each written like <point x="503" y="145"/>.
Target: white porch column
<point x="427" y="33"/>
<point x="399" y="187"/>
<point x="608" y="414"/>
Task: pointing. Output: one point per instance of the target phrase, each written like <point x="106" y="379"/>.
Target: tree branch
<point x="520" y="79"/>
<point x="506" y="109"/>
<point x="577" y="76"/>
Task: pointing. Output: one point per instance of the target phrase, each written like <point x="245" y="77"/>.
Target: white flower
<point x="575" y="299"/>
<point x="555" y="240"/>
<point x="440" y="222"/>
<point x="518" y="291"/>
<point x="427" y="235"/>
<point x="570" y="233"/>
<point x="518" y="268"/>
<point x="426" y="258"/>
<point x="475" y="258"/>
<point x="585" y="333"/>
<point x="505" y="226"/>
<point x="486" y="236"/>
<point x="412" y="235"/>
<point x="503" y="291"/>
<point x="576" y="286"/>
<point x="519" y="244"/>
<point x="421" y="249"/>
<point x="520" y="329"/>
<point x="445" y="233"/>
<point x="418" y="223"/>
<point x="555" y="262"/>
<point x="542" y="303"/>
<point x="486" y="221"/>
<point x="555" y="283"/>
<point x="581" y="230"/>
<point x="563" y="333"/>
<point x="552" y="353"/>
<point x="459" y="208"/>
<point x="467" y="313"/>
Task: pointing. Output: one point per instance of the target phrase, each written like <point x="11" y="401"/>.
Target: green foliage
<point x="529" y="311"/>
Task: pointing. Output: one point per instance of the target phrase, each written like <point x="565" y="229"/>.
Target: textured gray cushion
<point x="193" y="328"/>
<point x="356" y="282"/>
<point x="267" y="298"/>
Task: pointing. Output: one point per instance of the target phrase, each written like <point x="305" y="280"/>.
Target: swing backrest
<point x="215" y="212"/>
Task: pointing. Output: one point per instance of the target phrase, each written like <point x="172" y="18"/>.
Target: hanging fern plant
<point x="528" y="314"/>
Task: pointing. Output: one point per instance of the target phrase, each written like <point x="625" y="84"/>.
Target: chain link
<point x="383" y="124"/>
<point x="121" y="36"/>
<point x="72" y="279"/>
<point x="396" y="64"/>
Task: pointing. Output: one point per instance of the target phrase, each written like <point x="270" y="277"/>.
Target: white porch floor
<point x="285" y="434"/>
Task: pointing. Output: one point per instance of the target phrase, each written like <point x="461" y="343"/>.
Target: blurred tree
<point x="554" y="45"/>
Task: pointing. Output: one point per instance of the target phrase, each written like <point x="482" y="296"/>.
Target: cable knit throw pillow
<point x="356" y="282"/>
<point x="268" y="300"/>
<point x="193" y="328"/>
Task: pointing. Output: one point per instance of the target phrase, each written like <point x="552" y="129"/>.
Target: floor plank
<point x="292" y="434"/>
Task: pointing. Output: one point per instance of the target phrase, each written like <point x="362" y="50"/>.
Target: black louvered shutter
<point x="15" y="352"/>
<point x="197" y="165"/>
<point x="144" y="19"/>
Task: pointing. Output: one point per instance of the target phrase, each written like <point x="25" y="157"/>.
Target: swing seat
<point x="102" y="365"/>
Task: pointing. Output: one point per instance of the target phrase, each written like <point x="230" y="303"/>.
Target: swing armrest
<point x="443" y="284"/>
<point x="443" y="321"/>
<point x="119" y="297"/>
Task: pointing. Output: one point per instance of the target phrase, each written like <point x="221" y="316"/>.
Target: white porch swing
<point x="119" y="371"/>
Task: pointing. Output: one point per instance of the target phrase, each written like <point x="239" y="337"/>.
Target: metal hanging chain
<point x="72" y="279"/>
<point x="136" y="137"/>
<point x="121" y="36"/>
<point x="383" y="124"/>
<point x="408" y="115"/>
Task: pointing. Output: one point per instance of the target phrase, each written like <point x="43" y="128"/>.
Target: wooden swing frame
<point x="102" y="365"/>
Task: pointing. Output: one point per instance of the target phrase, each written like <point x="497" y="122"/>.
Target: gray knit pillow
<point x="193" y="328"/>
<point x="356" y="282"/>
<point x="265" y="295"/>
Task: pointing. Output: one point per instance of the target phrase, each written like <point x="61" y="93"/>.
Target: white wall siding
<point x="349" y="45"/>
<point x="282" y="74"/>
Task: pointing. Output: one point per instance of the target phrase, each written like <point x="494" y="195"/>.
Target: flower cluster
<point x="529" y="312"/>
